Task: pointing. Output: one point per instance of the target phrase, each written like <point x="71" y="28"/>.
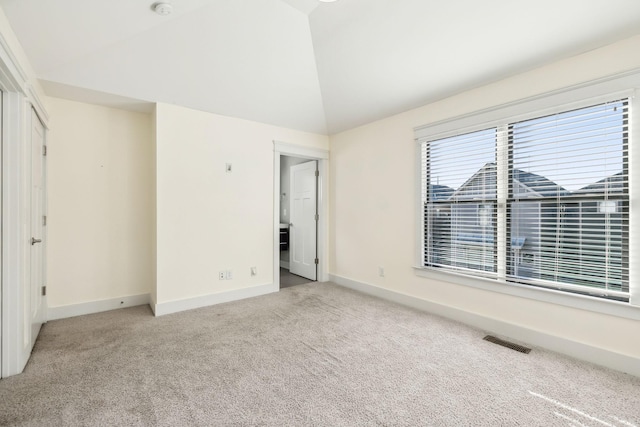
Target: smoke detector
<point x="162" y="8"/>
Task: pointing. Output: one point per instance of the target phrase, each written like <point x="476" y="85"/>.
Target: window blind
<point x="459" y="196"/>
<point x="557" y="193"/>
<point x="568" y="210"/>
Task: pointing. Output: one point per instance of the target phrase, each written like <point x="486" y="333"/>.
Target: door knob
<point x="34" y="241"/>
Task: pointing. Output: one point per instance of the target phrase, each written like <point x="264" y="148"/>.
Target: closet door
<point x="37" y="287"/>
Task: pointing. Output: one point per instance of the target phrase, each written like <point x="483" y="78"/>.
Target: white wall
<point x="210" y="220"/>
<point x="373" y="207"/>
<point x="101" y="204"/>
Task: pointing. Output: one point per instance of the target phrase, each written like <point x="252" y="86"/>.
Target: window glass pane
<point x="567" y="214"/>
<point x="460" y="199"/>
<point x="574" y="243"/>
<point x="463" y="166"/>
<point x="580" y="151"/>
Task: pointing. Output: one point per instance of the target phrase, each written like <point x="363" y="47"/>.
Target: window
<point x="541" y="201"/>
<point x="461" y="194"/>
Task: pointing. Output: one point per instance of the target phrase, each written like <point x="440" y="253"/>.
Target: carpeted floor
<point x="288" y="279"/>
<point x="310" y="355"/>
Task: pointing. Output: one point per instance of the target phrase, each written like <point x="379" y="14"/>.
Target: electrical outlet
<point x="221" y="275"/>
<point x="254" y="271"/>
<point x="381" y="271"/>
<point x="228" y="275"/>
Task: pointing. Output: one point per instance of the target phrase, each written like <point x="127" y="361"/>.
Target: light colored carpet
<point x="314" y="354"/>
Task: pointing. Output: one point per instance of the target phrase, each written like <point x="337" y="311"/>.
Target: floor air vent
<point x="512" y="346"/>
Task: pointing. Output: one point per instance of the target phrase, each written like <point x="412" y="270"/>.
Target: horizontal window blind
<point x="568" y="203"/>
<point x="565" y="214"/>
<point x="459" y="197"/>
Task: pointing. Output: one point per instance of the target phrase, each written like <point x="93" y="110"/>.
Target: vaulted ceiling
<point x="302" y="64"/>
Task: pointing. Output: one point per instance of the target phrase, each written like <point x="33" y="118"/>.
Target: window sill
<point x="582" y="302"/>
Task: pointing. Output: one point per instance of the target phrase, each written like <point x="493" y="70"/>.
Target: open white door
<point x="303" y="210"/>
<point x="36" y="287"/>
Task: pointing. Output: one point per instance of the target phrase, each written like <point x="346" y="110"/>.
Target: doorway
<point x="300" y="215"/>
<point x="298" y="226"/>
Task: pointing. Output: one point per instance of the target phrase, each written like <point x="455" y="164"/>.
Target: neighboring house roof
<point x="482" y="185"/>
<point x="539" y="184"/>
<point x="614" y="183"/>
<point x="440" y="192"/>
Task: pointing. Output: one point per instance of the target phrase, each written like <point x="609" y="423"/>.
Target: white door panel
<point x="302" y="231"/>
<point x="36" y="300"/>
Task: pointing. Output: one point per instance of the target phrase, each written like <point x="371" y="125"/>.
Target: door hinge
<point x="317" y="217"/>
<point x="44" y="291"/>
<point x="44" y="150"/>
<point x="44" y="220"/>
<point x="317" y="173"/>
<point x="317" y="261"/>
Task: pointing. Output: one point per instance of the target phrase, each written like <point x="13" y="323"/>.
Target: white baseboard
<point x="599" y="356"/>
<point x="284" y="264"/>
<point x="169" y="307"/>
<point x="72" y="310"/>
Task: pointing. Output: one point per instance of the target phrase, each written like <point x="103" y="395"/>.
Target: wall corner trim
<point x="13" y="67"/>
<point x="599" y="356"/>
<point x="169" y="307"/>
<point x="91" y="307"/>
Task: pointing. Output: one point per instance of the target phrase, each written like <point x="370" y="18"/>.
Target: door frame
<point x="19" y="97"/>
<point x="17" y="336"/>
<point x="322" y="252"/>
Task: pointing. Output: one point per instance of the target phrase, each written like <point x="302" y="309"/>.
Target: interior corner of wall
<point x="153" y="306"/>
